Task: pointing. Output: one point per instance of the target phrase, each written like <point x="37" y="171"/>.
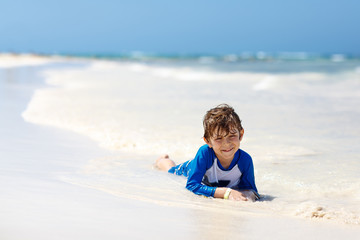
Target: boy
<point x="220" y="169"/>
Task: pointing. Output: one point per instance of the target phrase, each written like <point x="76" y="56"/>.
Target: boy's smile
<point x="225" y="146"/>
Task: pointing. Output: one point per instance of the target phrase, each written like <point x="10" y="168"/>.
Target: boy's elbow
<point x="194" y="187"/>
<point x="191" y="187"/>
<point x="199" y="189"/>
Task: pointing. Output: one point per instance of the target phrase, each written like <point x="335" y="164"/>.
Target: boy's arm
<point x="247" y="180"/>
<point x="234" y="195"/>
<point x="194" y="184"/>
<point x="198" y="167"/>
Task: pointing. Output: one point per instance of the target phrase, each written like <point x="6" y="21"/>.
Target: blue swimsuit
<point x="205" y="172"/>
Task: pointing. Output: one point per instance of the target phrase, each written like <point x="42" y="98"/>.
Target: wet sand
<point x="36" y="204"/>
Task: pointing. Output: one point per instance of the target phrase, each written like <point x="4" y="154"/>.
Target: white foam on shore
<point x="290" y="121"/>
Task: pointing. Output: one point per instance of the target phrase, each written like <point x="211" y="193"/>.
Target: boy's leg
<point x="164" y="163"/>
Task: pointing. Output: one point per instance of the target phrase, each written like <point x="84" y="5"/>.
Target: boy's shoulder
<point x="244" y="161"/>
<point x="244" y="154"/>
<point x="204" y="147"/>
<point x="206" y="153"/>
<point x="206" y="150"/>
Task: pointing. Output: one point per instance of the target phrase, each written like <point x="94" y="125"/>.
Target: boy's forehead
<point x="224" y="132"/>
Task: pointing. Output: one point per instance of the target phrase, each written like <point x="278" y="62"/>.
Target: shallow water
<point x="301" y="128"/>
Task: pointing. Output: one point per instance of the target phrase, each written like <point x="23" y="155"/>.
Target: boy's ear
<point x="208" y="143"/>
<point x="241" y="134"/>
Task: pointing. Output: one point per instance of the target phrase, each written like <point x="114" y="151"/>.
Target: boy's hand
<point x="237" y="196"/>
<point x="242" y="195"/>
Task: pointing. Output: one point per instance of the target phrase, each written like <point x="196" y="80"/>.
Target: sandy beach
<point x="66" y="180"/>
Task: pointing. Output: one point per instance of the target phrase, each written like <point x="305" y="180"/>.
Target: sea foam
<point x="300" y="128"/>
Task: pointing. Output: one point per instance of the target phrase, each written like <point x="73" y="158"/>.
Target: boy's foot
<point x="164" y="163"/>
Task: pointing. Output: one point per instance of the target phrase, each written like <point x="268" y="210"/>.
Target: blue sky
<point x="185" y="27"/>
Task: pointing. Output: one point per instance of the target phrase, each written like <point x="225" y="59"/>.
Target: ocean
<point x="301" y="121"/>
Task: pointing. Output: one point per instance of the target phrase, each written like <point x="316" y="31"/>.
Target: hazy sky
<point x="185" y="26"/>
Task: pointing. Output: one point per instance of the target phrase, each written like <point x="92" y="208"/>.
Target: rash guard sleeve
<point x="246" y="166"/>
<point x="198" y="166"/>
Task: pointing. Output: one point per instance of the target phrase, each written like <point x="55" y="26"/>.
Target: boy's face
<point x="225" y="146"/>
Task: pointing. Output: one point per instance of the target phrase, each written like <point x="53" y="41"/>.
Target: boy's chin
<point x="227" y="157"/>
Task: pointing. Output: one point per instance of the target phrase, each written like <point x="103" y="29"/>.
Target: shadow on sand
<point x="266" y="198"/>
